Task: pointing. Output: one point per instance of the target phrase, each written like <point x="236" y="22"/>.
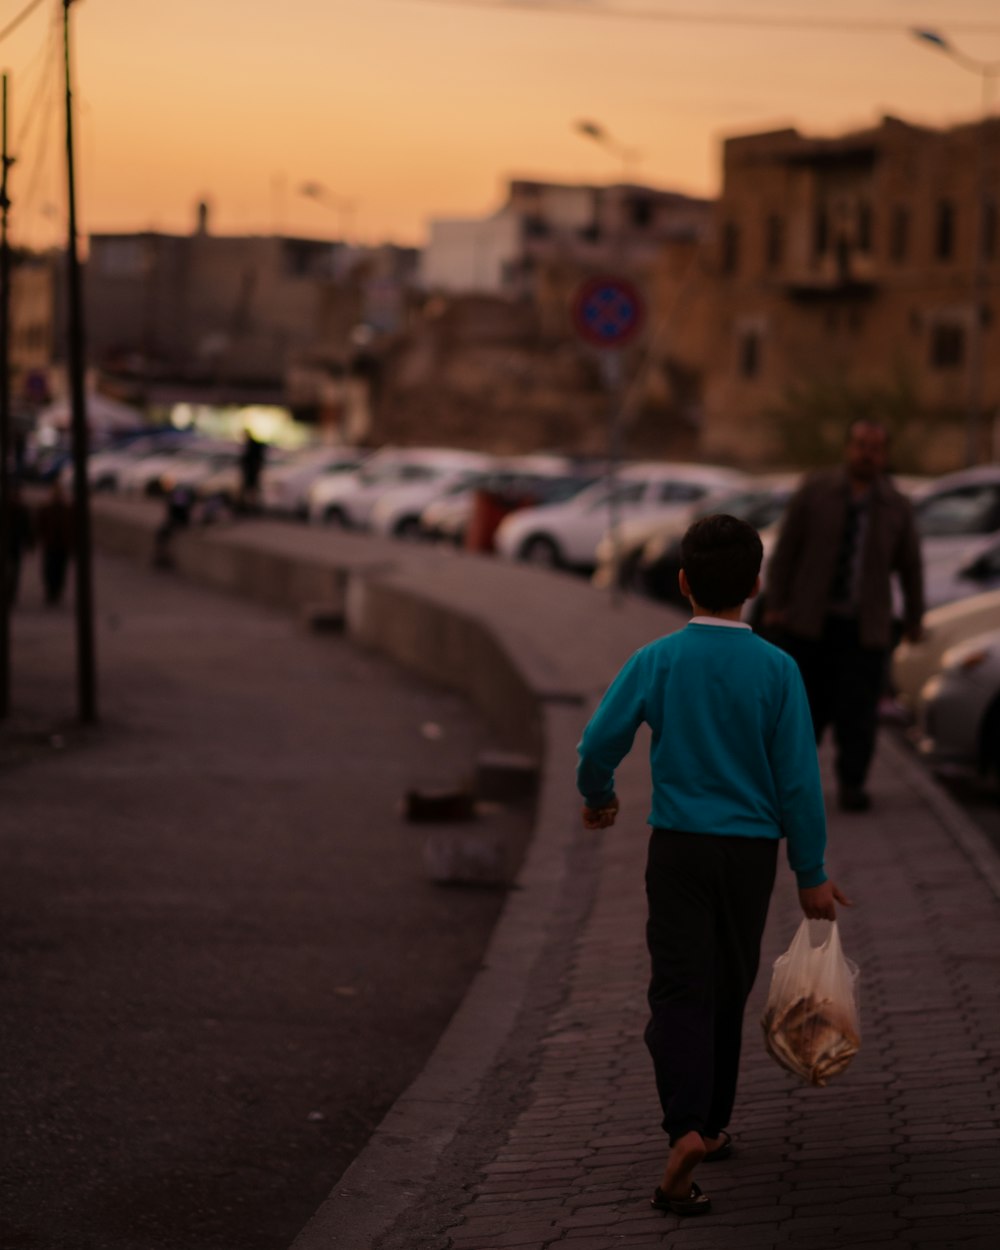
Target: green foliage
<point x="811" y="421"/>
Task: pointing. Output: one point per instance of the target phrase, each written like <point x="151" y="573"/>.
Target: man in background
<point x="54" y="527"/>
<point x="829" y="596"/>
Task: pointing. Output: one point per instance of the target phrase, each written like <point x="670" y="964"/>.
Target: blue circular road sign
<point x="607" y="311"/>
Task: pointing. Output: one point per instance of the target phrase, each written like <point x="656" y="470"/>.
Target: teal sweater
<point x="733" y="750"/>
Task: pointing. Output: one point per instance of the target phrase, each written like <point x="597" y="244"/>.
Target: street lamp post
<point x="629" y="157"/>
<point x="987" y="71"/>
<point x="338" y="203"/>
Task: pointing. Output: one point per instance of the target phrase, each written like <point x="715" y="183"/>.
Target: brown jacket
<point x="801" y="569"/>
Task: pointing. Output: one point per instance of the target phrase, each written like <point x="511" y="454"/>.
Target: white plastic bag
<point x="811" y="1022"/>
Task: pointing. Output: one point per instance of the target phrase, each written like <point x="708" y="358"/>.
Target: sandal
<point x="722" y="1151"/>
<point x="696" y="1203"/>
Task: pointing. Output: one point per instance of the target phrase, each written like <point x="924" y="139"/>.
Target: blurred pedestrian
<point x="54" y="526"/>
<point x="251" y="467"/>
<point x="734" y="770"/>
<point x="20" y="538"/>
<point x="179" y="501"/>
<point x="846" y="532"/>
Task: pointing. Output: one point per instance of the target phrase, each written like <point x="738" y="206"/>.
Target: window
<point x="774" y="242"/>
<point x="625" y="492"/>
<point x="947" y="345"/>
<point x="988" y="234"/>
<point x="899" y="234"/>
<point x="730" y="247"/>
<point x="864" y="226"/>
<point x="680" y="492"/>
<point x="964" y="510"/>
<point x="749" y="354"/>
<point x="642" y="212"/>
<point x="944" y="230"/>
<point x="821" y="231"/>
<point x="120" y="258"/>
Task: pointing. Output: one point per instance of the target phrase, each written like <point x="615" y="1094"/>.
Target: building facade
<point x="864" y="264"/>
<point x="543" y="225"/>
<point x="237" y="319"/>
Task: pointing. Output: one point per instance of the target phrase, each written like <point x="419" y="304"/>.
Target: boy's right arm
<point x="608" y="738"/>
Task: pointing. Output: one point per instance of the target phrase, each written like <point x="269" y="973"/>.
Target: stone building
<point x="546" y="225"/>
<point x="233" y="319"/>
<point x="33" y="327"/>
<point x="855" y="263"/>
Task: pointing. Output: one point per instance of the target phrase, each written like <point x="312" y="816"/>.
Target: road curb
<point x="970" y="839"/>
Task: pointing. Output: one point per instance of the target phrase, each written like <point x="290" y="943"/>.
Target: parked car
<point x="197" y="465"/>
<point x="952" y="575"/>
<point x="566" y="535"/>
<point x="347" y="499"/>
<point x="142" y="476"/>
<point x="650" y="547"/>
<point x="521" y="482"/>
<point x="958" y="712"/>
<point x="956" y="508"/>
<point x="285" y="487"/>
<point x="104" y="467"/>
<point x="397" y="511"/>
<point x="913" y="663"/>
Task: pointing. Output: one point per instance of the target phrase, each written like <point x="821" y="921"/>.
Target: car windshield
<point x="623" y="492"/>
<point x="760" y="508"/>
<point x="966" y="510"/>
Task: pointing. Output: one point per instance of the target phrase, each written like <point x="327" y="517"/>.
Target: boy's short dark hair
<point x="721" y="556"/>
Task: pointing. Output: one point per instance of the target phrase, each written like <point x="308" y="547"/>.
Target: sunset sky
<point x="410" y="109"/>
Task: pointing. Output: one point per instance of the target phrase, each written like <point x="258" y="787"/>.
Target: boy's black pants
<point x="708" y="898"/>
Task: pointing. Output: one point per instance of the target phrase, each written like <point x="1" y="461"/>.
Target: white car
<point x="566" y="535"/>
<point x="958" y="715"/>
<point x="646" y="555"/>
<point x="347" y="499"/>
<point x="285" y="488"/>
<point x="943" y="628"/>
<point x="142" y="476"/>
<point x="397" y="512"/>
<point x="197" y="465"/>
<point x="957" y="509"/>
<point x="104" y="468"/>
<point x="521" y="481"/>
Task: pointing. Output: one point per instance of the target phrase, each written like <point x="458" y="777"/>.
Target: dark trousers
<point x="708" y="898"/>
<point x="55" y="562"/>
<point x="844" y="681"/>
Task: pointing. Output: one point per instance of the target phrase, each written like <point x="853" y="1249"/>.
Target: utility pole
<point x="86" y="677"/>
<point x="6" y="514"/>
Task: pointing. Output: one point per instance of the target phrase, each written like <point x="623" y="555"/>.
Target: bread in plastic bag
<point x="811" y="1021"/>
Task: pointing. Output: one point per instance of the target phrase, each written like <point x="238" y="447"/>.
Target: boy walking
<point x="734" y="769"/>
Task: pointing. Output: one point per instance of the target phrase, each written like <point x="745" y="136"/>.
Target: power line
<point x="39" y="163"/>
<point x="25" y="13"/>
<point x="42" y="84"/>
<point x="692" y="17"/>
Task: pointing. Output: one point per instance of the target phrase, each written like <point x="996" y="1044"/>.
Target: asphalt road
<point x="220" y="957"/>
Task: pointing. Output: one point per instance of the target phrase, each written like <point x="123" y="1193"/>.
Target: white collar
<point x="715" y="620"/>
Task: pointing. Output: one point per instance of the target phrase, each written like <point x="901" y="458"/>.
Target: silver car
<point x="958" y="714"/>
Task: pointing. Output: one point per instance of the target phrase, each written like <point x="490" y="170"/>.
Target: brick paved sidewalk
<point x="900" y="1150"/>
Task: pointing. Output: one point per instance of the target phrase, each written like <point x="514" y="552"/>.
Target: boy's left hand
<point x="600" y="817"/>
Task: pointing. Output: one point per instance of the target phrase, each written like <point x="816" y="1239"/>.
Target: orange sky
<point x="408" y="109"/>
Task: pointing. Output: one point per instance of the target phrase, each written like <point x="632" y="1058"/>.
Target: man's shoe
<point x="854" y="799"/>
